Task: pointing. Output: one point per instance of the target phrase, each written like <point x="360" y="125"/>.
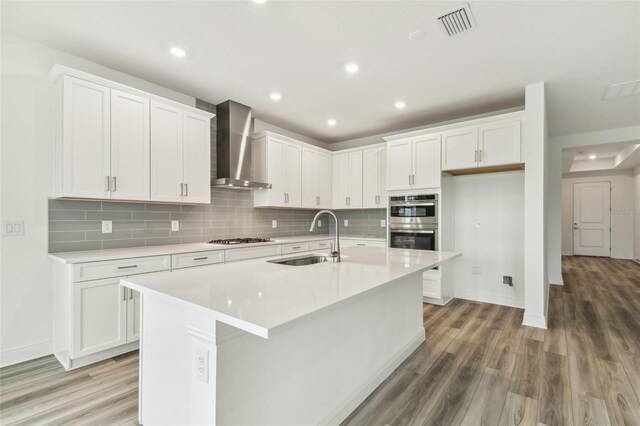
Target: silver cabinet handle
<point x="115" y="184"/>
<point x="409" y="179"/>
<point x="480" y="155"/>
<point x="200" y="258"/>
<point x="322" y="244"/>
<point x="360" y="244"/>
<point x="296" y="248"/>
<point x="107" y="187"/>
<point x="124" y="293"/>
<point x="186" y="189"/>
<point x="181" y="189"/>
<point x="475" y="156"/>
<point x="317" y="201"/>
<point x="128" y="267"/>
<point x="130" y="294"/>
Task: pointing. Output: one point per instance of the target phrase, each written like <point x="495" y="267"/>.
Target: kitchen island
<point x="257" y="342"/>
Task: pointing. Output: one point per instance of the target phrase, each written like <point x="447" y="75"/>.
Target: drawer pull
<point x="128" y="267"/>
<point x="360" y="244"/>
<point x="322" y="244"/>
<point x="296" y="248"/>
<point x="200" y="258"/>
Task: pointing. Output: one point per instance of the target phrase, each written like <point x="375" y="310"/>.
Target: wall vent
<point x="457" y="20"/>
<point x="621" y="90"/>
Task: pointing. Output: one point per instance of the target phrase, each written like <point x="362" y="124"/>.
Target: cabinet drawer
<point x="294" y="248"/>
<point x="367" y="243"/>
<point x="320" y="245"/>
<point x="119" y="268"/>
<point x="251" y="253"/>
<point x="188" y="260"/>
<point x="432" y="288"/>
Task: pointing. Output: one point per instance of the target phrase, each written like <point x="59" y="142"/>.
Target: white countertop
<point x="125" y="253"/>
<point x="258" y="296"/>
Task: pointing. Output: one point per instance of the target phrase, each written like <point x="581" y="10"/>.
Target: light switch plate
<point x="346" y="222"/>
<point x="107" y="227"/>
<point x="175" y="225"/>
<point x="13" y="228"/>
<point x="274" y="224"/>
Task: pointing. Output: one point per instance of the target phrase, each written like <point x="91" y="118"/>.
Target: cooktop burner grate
<point x="240" y="241"/>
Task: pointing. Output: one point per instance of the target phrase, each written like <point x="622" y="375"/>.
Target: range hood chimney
<point x="233" y="141"/>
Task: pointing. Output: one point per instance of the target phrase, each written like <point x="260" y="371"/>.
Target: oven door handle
<point x="414" y="231"/>
<point x="409" y="204"/>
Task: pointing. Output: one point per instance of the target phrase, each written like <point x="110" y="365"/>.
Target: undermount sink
<point x="304" y="260"/>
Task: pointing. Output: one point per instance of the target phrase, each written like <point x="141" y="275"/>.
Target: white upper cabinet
<point x="374" y="178"/>
<point x="129" y="146"/>
<point x="347" y="180"/>
<point x="414" y="163"/>
<point x="278" y="161"/>
<point x="316" y="178"/>
<point x="196" y="153"/>
<point x="116" y="142"/>
<point x="84" y="140"/>
<point x="499" y="143"/>
<point x="460" y="148"/>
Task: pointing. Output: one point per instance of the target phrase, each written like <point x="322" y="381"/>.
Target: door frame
<point x="596" y="180"/>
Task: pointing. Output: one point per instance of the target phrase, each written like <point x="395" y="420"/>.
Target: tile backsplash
<point x="76" y="224"/>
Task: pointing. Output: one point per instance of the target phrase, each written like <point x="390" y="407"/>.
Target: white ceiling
<point x="617" y="156"/>
<point x="243" y="51"/>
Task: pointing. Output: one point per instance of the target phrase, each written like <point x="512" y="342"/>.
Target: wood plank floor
<point x="479" y="365"/>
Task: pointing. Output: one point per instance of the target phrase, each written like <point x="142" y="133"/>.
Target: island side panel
<point x="320" y="368"/>
<point x="174" y="338"/>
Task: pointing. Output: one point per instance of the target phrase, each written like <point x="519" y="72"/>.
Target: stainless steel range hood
<point x="233" y="141"/>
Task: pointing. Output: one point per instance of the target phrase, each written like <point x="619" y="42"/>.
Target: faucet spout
<point x="335" y="253"/>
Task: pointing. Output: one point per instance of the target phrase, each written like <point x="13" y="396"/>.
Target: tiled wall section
<point x="76" y="225"/>
<point x="362" y="222"/>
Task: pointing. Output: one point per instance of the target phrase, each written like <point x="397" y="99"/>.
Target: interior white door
<point x="399" y="165"/>
<point x="196" y="158"/>
<point x="86" y="139"/>
<point x="371" y="177"/>
<point x="592" y="219"/>
<point x="460" y="148"/>
<point x="426" y="162"/>
<point x="310" y="178"/>
<point x="324" y="180"/>
<point x="130" y="156"/>
<point x="99" y="312"/>
<point x="355" y="180"/>
<point x="293" y="174"/>
<point x="499" y="143"/>
<point x="166" y="153"/>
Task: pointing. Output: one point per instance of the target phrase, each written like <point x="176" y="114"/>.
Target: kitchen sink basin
<point x="303" y="260"/>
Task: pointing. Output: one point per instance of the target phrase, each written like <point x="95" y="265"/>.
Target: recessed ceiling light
<point x="592" y="157"/>
<point x="178" y="52"/>
<point x="400" y="104"/>
<point x="332" y="122"/>
<point x="416" y="35"/>
<point x="275" y="96"/>
<point x="259" y="1"/>
<point x="351" y="67"/>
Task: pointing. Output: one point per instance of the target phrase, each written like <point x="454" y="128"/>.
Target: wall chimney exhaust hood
<point x="233" y="142"/>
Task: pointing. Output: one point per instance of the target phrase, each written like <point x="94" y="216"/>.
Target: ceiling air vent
<point x="457" y="20"/>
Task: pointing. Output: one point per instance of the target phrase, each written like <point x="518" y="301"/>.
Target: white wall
<point x="622" y="207"/>
<point x="497" y="247"/>
<point x="554" y="208"/>
<point x="636" y="212"/>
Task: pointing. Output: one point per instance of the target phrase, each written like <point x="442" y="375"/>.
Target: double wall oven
<point x="413" y="222"/>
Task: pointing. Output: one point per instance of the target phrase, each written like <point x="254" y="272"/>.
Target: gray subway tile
<point x="74" y="246"/>
<point x="66" y="215"/>
<point x="109" y="244"/>
<point x="125" y="224"/>
<point x="68" y="225"/>
<point x="151" y="216"/>
<point x="186" y="216"/>
<point x="162" y="207"/>
<point x="57" y="237"/>
<point x="115" y="235"/>
<point x="163" y="241"/>
<point x="108" y="215"/>
<point x="121" y="206"/>
<point x="56" y="204"/>
<point x="158" y="224"/>
<point x="150" y="233"/>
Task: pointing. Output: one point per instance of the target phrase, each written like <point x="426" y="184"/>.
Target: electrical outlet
<point x="319" y="223"/>
<point x="274" y="224"/>
<point x="475" y="270"/>
<point x="346" y="222"/>
<point x="13" y="228"/>
<point x="383" y="223"/>
<point x="175" y="225"/>
<point x="202" y="365"/>
<point x="508" y="280"/>
<point x="107" y="227"/>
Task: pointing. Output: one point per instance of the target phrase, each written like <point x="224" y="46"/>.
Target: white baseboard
<point x="343" y="410"/>
<point x="567" y="253"/>
<point x="441" y="301"/>
<point x="496" y="299"/>
<point x="18" y="355"/>
<point x="534" y="320"/>
<point x="556" y="280"/>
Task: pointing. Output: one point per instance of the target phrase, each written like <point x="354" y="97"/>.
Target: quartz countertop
<point x="125" y="253"/>
<point x="258" y="296"/>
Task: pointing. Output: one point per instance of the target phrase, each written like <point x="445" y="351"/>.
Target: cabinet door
<point x="310" y="178"/>
<point x="324" y="180"/>
<point x="426" y="162"/>
<point x="355" y="180"/>
<point x="499" y="143"/>
<point x="133" y="315"/>
<point x="340" y="180"/>
<point x="196" y="149"/>
<point x="130" y="156"/>
<point x="371" y="177"/>
<point x="166" y="153"/>
<point x="275" y="171"/>
<point x="86" y="136"/>
<point x="459" y="148"/>
<point x="99" y="316"/>
<point x="293" y="174"/>
<point x="399" y="165"/>
<point x="382" y="185"/>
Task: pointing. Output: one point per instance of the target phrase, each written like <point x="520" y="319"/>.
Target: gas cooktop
<point x="240" y="241"/>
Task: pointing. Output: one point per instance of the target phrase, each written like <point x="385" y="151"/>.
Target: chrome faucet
<point x="335" y="253"/>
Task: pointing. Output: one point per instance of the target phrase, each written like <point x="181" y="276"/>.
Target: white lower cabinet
<point x="348" y="242"/>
